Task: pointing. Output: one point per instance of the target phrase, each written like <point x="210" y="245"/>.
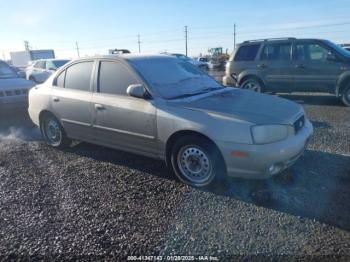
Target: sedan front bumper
<point x="264" y="161"/>
<point x="14" y="102"/>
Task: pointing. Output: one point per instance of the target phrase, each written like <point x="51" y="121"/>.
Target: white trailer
<point x="20" y="59"/>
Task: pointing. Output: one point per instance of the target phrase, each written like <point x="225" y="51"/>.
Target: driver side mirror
<point x="137" y="90"/>
<point x="52" y="69"/>
<point x="331" y="57"/>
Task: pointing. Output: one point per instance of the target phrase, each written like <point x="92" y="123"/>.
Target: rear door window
<point x="114" y="78"/>
<point x="78" y="76"/>
<point x="277" y="51"/>
<point x="247" y="53"/>
<point x="40" y="64"/>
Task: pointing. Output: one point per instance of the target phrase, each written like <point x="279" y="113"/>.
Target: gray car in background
<point x="40" y="70"/>
<point x="165" y="108"/>
<point x="13" y="89"/>
<point x="291" y="65"/>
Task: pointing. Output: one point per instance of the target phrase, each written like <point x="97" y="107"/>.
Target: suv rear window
<point x="247" y="52"/>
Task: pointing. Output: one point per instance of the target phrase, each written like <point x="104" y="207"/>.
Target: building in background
<point x="22" y="58"/>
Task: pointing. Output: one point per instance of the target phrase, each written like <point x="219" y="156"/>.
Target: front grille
<point x="16" y="92"/>
<point x="299" y="124"/>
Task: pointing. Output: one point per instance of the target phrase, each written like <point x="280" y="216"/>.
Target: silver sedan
<point x="165" y="108"/>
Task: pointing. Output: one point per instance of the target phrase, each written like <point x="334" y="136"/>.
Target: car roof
<point x="258" y="41"/>
<point x="129" y="57"/>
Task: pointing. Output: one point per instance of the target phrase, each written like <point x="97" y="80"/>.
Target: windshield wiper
<point x="204" y="91"/>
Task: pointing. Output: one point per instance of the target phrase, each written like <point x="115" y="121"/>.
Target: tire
<point x="252" y="84"/>
<point x="53" y="132"/>
<point x="345" y="96"/>
<point x="197" y="161"/>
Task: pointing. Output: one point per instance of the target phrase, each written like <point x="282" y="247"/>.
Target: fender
<point x="345" y="76"/>
<point x="249" y="72"/>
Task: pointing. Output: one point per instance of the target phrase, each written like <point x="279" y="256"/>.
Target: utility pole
<point x="26" y="45"/>
<point x="77" y="47"/>
<point x="186" y="32"/>
<point x="139" y="42"/>
<point x="234" y="36"/>
<point x="3" y="55"/>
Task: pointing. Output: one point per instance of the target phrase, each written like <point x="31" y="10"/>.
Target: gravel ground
<point x="90" y="202"/>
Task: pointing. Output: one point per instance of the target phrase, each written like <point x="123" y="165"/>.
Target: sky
<point x="104" y="24"/>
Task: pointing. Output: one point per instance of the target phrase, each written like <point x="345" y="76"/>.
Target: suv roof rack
<point x="269" y="39"/>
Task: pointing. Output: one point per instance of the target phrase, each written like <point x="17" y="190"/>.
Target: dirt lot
<point x="92" y="202"/>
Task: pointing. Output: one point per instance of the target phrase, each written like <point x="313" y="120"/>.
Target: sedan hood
<point x="246" y="106"/>
<point x="15" y="83"/>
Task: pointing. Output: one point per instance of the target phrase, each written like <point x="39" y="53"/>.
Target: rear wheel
<point x="196" y="161"/>
<point x="346" y="95"/>
<point x="53" y="132"/>
<point x="252" y="84"/>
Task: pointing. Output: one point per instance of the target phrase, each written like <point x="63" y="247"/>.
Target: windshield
<point x="59" y="63"/>
<point x="6" y="71"/>
<point x="339" y="49"/>
<point x="174" y="78"/>
<point x="182" y="57"/>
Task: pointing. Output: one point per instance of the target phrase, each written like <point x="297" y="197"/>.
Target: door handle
<point x="299" y="66"/>
<point x="99" y="107"/>
<point x="55" y="99"/>
<point x="262" y="66"/>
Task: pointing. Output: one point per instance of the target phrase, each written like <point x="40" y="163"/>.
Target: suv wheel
<point x="53" y="132"/>
<point x="346" y="95"/>
<point x="252" y="84"/>
<point x="196" y="161"/>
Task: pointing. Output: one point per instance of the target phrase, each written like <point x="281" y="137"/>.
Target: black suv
<point x="290" y="65"/>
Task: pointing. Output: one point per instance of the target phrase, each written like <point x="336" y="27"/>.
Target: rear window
<point x="247" y="53"/>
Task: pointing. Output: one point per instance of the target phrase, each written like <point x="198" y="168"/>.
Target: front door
<point x="122" y="121"/>
<point x="313" y="71"/>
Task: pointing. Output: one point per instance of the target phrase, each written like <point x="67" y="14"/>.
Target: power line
<point x="77" y="47"/>
<point x="26" y="45"/>
<point x="186" y="38"/>
<point x="139" y="42"/>
<point x="234" y="36"/>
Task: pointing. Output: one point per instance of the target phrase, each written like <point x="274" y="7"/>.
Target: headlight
<point x="264" y="134"/>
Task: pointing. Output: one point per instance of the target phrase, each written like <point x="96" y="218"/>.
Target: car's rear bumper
<point x="263" y="161"/>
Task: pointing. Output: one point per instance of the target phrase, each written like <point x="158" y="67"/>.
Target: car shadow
<point x="313" y="99"/>
<point x="320" y="125"/>
<point x="316" y="187"/>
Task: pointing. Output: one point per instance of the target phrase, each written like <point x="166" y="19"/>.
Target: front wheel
<point x="197" y="161"/>
<point x="346" y="95"/>
<point x="252" y="84"/>
<point x="53" y="132"/>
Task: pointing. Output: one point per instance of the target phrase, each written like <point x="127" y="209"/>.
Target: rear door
<point x="275" y="66"/>
<point x="71" y="99"/>
<point x="119" y="120"/>
<point x="38" y="71"/>
<point x="313" y="72"/>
